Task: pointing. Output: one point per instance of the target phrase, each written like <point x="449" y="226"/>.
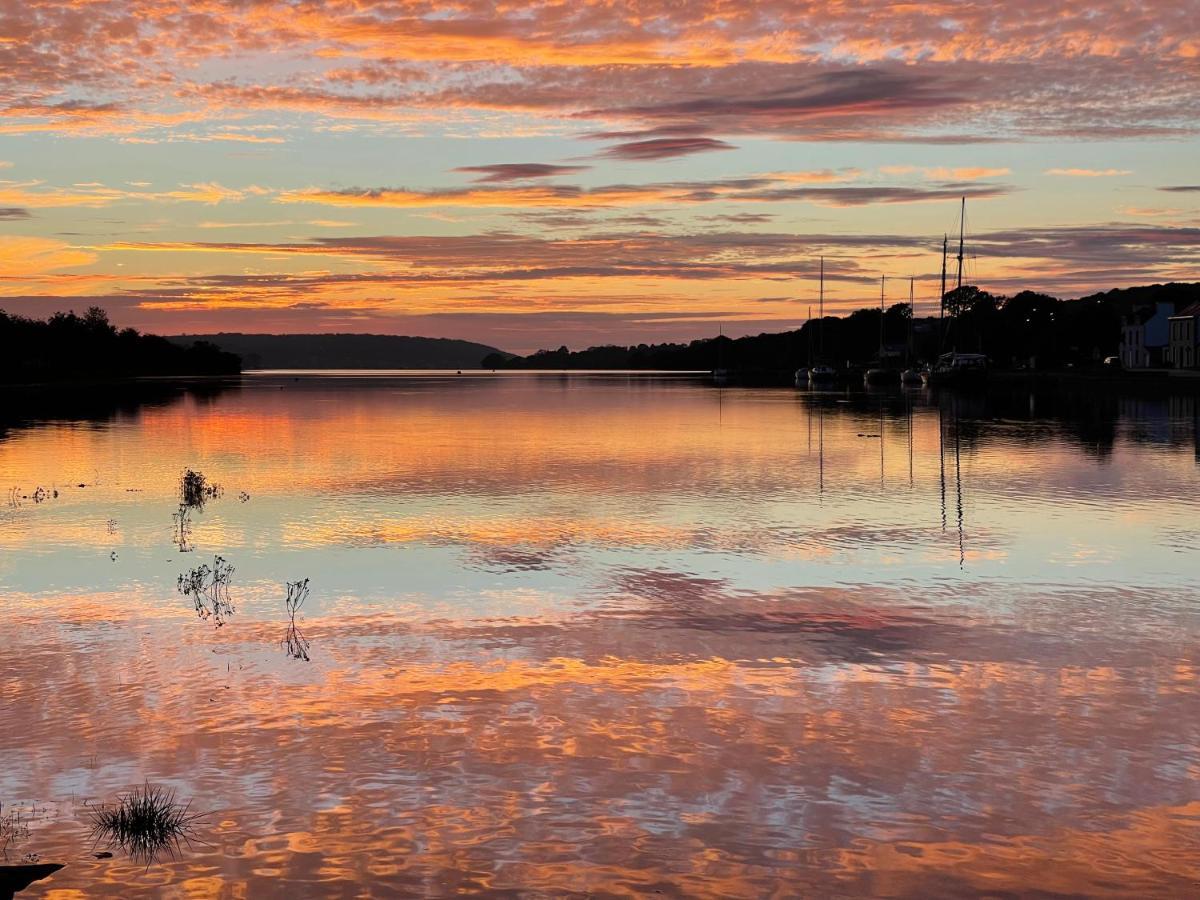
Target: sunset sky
<point x="534" y="174"/>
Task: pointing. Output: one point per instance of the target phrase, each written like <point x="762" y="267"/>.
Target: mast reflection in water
<point x="614" y="635"/>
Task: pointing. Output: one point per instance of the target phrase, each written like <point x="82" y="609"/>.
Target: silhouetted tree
<point x="66" y="346"/>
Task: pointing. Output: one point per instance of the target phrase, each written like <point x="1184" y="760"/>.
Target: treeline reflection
<point x="24" y="407"/>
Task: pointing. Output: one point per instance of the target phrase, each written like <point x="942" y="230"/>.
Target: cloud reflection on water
<point x="760" y="690"/>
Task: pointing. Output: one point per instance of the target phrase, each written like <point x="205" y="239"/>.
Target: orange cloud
<point x="1088" y="173"/>
<point x="35" y="194"/>
<point x="25" y="256"/>
<point x="942" y="173"/>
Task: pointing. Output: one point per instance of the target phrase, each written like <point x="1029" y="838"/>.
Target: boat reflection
<point x="615" y="636"/>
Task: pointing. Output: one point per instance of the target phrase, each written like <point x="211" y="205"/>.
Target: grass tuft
<point x="145" y="822"/>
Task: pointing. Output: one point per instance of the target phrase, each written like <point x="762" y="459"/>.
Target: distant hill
<point x="347" y="351"/>
<point x="1124" y="299"/>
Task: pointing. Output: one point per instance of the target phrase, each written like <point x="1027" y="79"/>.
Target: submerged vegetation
<point x="145" y="822"/>
<point x="195" y="489"/>
<point x="182" y="537"/>
<point x="17" y="496"/>
<point x="14" y="827"/>
<point x="208" y="589"/>
<point x="294" y="640"/>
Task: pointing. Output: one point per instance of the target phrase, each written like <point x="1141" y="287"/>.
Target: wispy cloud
<point x="94" y="194"/>
<point x="773" y="188"/>
<point x="498" y="173"/>
<point x="944" y="173"/>
<point x="28" y="256"/>
<point x="1088" y="173"/>
<point x="665" y="148"/>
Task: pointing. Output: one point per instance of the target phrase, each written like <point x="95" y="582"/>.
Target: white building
<point x="1145" y="336"/>
<point x="1183" y="338"/>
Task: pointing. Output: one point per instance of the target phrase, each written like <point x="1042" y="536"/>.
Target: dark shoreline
<point x="1158" y="381"/>
<point x="1099" y="382"/>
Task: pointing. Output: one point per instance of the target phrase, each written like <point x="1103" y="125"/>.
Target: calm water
<point x="611" y="636"/>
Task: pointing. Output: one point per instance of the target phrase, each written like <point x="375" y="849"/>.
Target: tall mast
<point x="962" y="223"/>
<point x="911" y="315"/>
<point x="810" y="336"/>
<point x="942" y="298"/>
<point x="882" y="278"/>
<point x="821" y="313"/>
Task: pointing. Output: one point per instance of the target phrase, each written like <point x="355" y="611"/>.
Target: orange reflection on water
<point x="419" y="762"/>
<point x="609" y="641"/>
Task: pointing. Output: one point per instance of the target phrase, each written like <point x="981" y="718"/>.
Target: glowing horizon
<point x="541" y="174"/>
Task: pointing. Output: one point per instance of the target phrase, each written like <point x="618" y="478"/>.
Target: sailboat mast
<point x="962" y="222"/>
<point x="810" y="336"/>
<point x="882" y="278"/>
<point x="942" y="296"/>
<point x="912" y="311"/>
<point x="821" y="293"/>
<point x="821" y="313"/>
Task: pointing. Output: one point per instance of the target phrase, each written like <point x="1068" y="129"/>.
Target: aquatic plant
<point x="208" y="588"/>
<point x="40" y="495"/>
<point x="182" y="537"/>
<point x="294" y="641"/>
<point x="145" y="822"/>
<point x="14" y="827"/>
<point x="195" y="489"/>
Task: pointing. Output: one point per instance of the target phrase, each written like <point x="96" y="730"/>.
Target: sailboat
<point x="821" y="373"/>
<point x="800" y="379"/>
<point x="880" y="374"/>
<point x="910" y="375"/>
<point x="720" y="375"/>
<point x="954" y="368"/>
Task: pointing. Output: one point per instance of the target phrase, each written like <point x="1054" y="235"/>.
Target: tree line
<point x="67" y="346"/>
<point x="1028" y="328"/>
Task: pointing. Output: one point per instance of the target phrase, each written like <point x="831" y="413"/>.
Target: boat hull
<point x="959" y="379"/>
<point x="881" y="376"/>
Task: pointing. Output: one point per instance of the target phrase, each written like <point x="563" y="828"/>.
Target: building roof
<point x="1192" y="309"/>
<point x="1140" y="315"/>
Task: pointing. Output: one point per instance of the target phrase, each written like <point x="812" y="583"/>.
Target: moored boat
<point x="822" y="375"/>
<point x="880" y="376"/>
<point x="958" y="369"/>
